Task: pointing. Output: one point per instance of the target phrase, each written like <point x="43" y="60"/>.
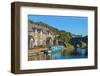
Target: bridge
<point x="77" y="40"/>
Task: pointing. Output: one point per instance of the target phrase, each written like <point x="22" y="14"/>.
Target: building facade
<point x="39" y="34"/>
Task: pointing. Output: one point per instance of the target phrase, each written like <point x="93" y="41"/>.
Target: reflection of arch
<point x="30" y="42"/>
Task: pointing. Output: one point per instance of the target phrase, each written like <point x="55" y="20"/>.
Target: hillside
<point x="55" y="30"/>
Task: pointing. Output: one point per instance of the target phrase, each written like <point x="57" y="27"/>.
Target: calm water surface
<point x="58" y="55"/>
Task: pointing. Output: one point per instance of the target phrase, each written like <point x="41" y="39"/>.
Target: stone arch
<point x="49" y="41"/>
<point x="30" y="42"/>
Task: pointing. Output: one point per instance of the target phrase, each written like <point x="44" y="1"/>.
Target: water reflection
<point x="57" y="53"/>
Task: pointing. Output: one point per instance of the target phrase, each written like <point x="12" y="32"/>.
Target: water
<point x="57" y="53"/>
<point x="81" y="51"/>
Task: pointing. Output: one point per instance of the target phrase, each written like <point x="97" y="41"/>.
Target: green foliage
<point x="67" y="44"/>
<point x="64" y="36"/>
<point x="69" y="49"/>
<point x="82" y="44"/>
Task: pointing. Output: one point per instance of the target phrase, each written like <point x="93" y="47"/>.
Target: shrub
<point x="68" y="50"/>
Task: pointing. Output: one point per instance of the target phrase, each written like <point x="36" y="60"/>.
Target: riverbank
<point x="36" y="54"/>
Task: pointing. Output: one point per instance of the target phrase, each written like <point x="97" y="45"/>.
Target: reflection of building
<point x="39" y="34"/>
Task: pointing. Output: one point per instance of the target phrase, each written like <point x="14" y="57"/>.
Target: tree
<point x="81" y="44"/>
<point x="64" y="36"/>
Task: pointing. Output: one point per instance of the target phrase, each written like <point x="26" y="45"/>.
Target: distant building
<point x="39" y="34"/>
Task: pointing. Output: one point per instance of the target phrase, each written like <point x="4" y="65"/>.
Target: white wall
<point x="5" y="33"/>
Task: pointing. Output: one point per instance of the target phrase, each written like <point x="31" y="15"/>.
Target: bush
<point x="68" y="50"/>
<point x="82" y="44"/>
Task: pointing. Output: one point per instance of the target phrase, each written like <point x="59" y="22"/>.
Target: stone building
<point x="39" y="34"/>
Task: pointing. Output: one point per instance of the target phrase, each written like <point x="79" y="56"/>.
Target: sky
<point x="74" y="24"/>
